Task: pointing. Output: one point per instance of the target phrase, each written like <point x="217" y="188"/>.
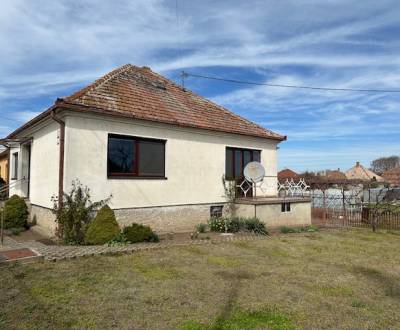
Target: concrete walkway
<point x="60" y="252"/>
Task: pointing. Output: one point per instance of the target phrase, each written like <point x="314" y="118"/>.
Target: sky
<point x="50" y="49"/>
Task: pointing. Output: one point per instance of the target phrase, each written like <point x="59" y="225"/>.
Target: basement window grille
<point x="285" y="207"/>
<point x="216" y="211"/>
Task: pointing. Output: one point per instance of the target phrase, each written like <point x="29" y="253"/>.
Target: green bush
<point x="311" y="228"/>
<point x="201" y="228"/>
<point x="75" y="212"/>
<point x="288" y="230"/>
<point x="236" y="224"/>
<point x="218" y="224"/>
<point x="16" y="213"/>
<point x="118" y="240"/>
<point x="103" y="228"/>
<point x="255" y="225"/>
<point x="139" y="233"/>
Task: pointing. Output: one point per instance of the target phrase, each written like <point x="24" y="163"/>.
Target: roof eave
<point x="62" y="103"/>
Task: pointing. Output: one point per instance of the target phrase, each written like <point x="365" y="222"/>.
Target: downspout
<point x="61" y="158"/>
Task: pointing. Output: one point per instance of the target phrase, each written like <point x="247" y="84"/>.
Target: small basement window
<point x="285" y="207"/>
<point x="216" y="211"/>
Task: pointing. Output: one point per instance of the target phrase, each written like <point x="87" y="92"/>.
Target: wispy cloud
<point x="58" y="46"/>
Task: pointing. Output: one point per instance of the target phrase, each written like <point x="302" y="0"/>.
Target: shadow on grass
<point x="391" y="285"/>
<point x="233" y="318"/>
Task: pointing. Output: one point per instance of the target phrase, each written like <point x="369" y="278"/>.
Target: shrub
<point x="139" y="233"/>
<point x="118" y="240"/>
<point x="103" y="227"/>
<point x="16" y="213"/>
<point x="201" y="228"/>
<point x="74" y="213"/>
<point x="255" y="225"/>
<point x="288" y="230"/>
<point x="236" y="224"/>
<point x="311" y="228"/>
<point x="218" y="224"/>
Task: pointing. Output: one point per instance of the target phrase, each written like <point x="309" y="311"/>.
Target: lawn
<point x="323" y="280"/>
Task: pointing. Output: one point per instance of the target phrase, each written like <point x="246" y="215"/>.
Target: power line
<point x="187" y="74"/>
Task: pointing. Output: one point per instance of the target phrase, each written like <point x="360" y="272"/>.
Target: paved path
<point x="58" y="252"/>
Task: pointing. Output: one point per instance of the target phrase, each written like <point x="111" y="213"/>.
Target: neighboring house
<point x="158" y="149"/>
<point x="4" y="165"/>
<point x="392" y="177"/>
<point x="287" y="174"/>
<point x="359" y="172"/>
<point x="336" y="175"/>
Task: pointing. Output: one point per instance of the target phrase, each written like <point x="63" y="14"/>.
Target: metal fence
<point x="332" y="211"/>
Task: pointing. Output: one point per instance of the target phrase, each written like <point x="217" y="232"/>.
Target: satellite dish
<point x="254" y="172"/>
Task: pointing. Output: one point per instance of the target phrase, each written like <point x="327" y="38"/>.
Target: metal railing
<point x="4" y="189"/>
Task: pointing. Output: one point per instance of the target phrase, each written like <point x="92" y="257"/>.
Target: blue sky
<point x="52" y="48"/>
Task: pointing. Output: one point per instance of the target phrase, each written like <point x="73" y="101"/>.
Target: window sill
<point x="127" y="177"/>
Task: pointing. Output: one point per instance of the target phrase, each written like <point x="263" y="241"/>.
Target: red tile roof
<point x="287" y="174"/>
<point x="392" y="176"/>
<point x="143" y="94"/>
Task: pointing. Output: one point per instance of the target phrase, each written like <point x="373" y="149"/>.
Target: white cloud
<point x="59" y="45"/>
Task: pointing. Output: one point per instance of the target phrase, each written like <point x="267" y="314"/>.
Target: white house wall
<point x="44" y="166"/>
<point x="195" y="162"/>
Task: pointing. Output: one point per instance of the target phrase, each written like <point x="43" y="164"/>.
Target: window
<point x="15" y="166"/>
<point x="216" y="211"/>
<point x="236" y="160"/>
<point x="130" y="156"/>
<point x="285" y="207"/>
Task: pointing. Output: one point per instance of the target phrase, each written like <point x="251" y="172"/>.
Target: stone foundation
<point x="164" y="219"/>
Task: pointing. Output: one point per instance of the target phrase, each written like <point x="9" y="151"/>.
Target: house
<point x="336" y="175"/>
<point x="158" y="149"/>
<point x="4" y="165"/>
<point x="288" y="174"/>
<point x="359" y="172"/>
<point x="392" y="176"/>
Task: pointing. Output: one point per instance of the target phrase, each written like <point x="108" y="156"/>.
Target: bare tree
<point x="383" y="164"/>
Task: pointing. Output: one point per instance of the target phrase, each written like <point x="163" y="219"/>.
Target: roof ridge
<point x="108" y="76"/>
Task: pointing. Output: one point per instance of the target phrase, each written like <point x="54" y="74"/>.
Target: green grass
<point x="320" y="280"/>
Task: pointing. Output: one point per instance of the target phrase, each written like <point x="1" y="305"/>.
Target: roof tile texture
<point x="143" y="94"/>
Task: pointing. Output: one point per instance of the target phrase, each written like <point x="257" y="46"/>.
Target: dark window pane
<point x="283" y="207"/>
<point x="229" y="164"/>
<point x="246" y="157"/>
<point x="151" y="158"/>
<point x="238" y="164"/>
<point x="287" y="207"/>
<point x="256" y="156"/>
<point x="121" y="155"/>
<point x="15" y="158"/>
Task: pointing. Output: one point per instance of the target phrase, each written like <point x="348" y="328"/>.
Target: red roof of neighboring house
<point x="140" y="93"/>
<point x="392" y="176"/>
<point x="287" y="174"/>
<point x="336" y="175"/>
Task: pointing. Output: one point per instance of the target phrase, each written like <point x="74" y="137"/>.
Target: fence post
<point x="343" y="207"/>
<point x="324" y="204"/>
